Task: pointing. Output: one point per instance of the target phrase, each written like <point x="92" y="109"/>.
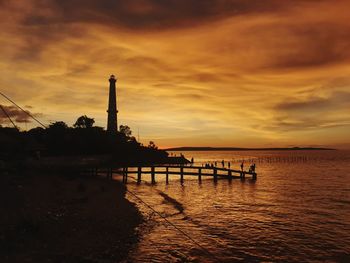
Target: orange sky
<point x="195" y="73"/>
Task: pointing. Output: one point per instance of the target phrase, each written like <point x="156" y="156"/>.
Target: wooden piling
<point x="153" y="175"/>
<point x="182" y="174"/>
<point x="230" y="175"/>
<point x="215" y="174"/>
<point x="254" y="176"/>
<point x="139" y="171"/>
<point x="167" y="175"/>
<point x="126" y="174"/>
<point x="199" y="174"/>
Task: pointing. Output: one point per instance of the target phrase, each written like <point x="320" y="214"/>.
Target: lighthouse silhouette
<point x="112" y="124"/>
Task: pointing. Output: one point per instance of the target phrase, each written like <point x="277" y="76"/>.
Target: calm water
<point x="298" y="210"/>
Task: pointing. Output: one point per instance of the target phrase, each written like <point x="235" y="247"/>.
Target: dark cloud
<point x="36" y="38"/>
<point x="285" y="45"/>
<point x="305" y="124"/>
<point x="291" y="44"/>
<point x="16" y="115"/>
<point x="204" y="77"/>
<point x="312" y="45"/>
<point x="312" y="104"/>
<point x="335" y="101"/>
<point x="312" y="113"/>
<point x="150" y="14"/>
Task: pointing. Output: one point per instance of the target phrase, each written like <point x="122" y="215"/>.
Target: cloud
<point x="223" y="69"/>
<point x="312" y="45"/>
<point x="336" y="100"/>
<point x="312" y="112"/>
<point x="148" y="14"/>
<point x="16" y="115"/>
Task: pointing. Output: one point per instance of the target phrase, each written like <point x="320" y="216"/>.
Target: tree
<point x="37" y="132"/>
<point x="152" y="145"/>
<point x="126" y="130"/>
<point x="58" y="125"/>
<point x="84" y="122"/>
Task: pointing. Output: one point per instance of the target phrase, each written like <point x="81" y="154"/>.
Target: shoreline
<point x="206" y="149"/>
<point x="59" y="217"/>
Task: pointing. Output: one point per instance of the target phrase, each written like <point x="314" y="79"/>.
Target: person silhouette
<point x="251" y="168"/>
<point x="223" y="163"/>
<point x="242" y="166"/>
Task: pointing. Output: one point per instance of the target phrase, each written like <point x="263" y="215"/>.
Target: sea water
<point x="298" y="210"/>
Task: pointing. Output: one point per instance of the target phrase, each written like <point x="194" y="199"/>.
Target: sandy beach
<point x="65" y="218"/>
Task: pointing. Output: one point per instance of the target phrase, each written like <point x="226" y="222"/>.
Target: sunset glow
<point x="195" y="73"/>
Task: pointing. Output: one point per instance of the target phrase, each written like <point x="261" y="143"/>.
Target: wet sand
<point x="65" y="218"/>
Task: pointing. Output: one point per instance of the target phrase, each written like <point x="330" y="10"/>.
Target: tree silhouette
<point x="126" y="130"/>
<point x="58" y="125"/>
<point x="84" y="122"/>
<point x="60" y="140"/>
<point x="152" y="145"/>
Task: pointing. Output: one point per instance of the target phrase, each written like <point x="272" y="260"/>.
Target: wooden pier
<point x="181" y="171"/>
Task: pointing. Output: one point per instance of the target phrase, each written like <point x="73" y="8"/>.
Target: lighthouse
<point x="112" y="124"/>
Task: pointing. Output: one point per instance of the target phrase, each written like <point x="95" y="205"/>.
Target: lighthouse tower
<point x="112" y="124"/>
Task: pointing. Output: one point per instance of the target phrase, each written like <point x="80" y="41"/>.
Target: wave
<point x="177" y="205"/>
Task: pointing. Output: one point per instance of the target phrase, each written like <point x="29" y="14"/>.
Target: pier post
<point x="123" y="174"/>
<point x="167" y="175"/>
<point x="254" y="176"/>
<point x="139" y="171"/>
<point x="230" y="175"/>
<point x="199" y="174"/>
<point x="126" y="174"/>
<point x="215" y="174"/>
<point x="182" y="174"/>
<point x="153" y="175"/>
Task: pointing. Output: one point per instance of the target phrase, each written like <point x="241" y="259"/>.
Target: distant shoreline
<point x="247" y="149"/>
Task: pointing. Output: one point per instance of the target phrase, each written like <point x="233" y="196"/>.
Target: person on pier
<point x="242" y="166"/>
<point x="252" y="168"/>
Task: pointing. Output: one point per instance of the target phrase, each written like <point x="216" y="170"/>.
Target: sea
<point x="298" y="210"/>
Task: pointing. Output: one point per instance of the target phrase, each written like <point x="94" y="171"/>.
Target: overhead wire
<point x="176" y="227"/>
<point x="8" y="116"/>
<point x="130" y="192"/>
<point x="28" y="113"/>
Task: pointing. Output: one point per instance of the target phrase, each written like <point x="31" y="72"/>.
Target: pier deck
<point x="181" y="171"/>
